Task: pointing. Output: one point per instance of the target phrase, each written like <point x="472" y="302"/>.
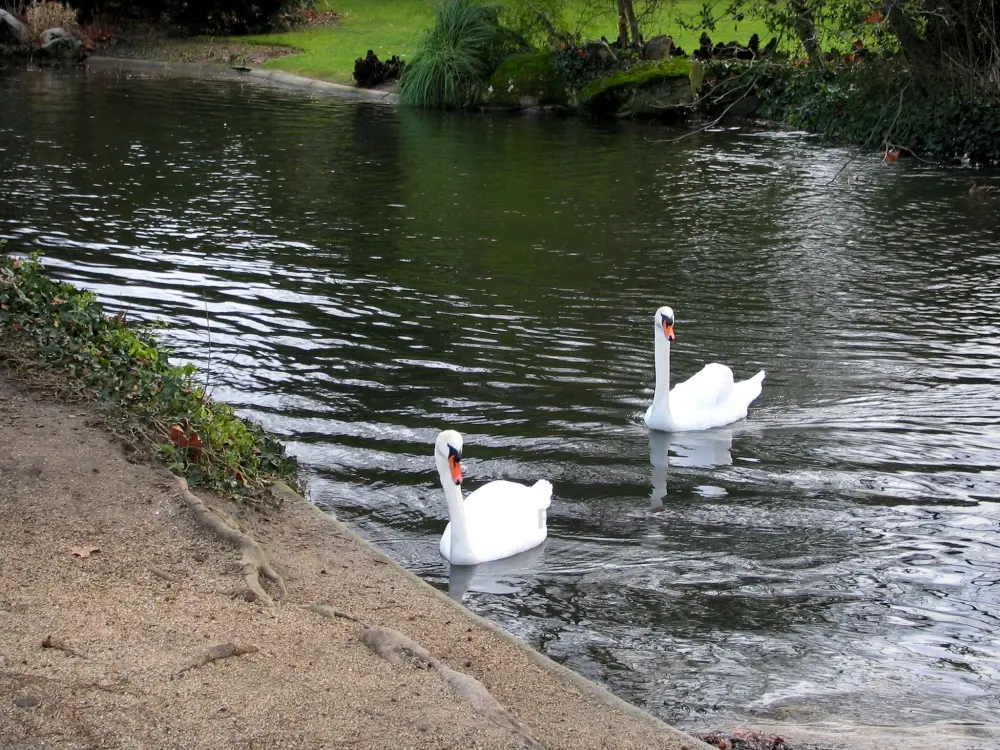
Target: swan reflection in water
<point x="488" y="576"/>
<point x="700" y="449"/>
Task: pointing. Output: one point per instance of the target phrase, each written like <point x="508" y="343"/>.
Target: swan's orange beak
<point x="456" y="469"/>
<point x="668" y="330"/>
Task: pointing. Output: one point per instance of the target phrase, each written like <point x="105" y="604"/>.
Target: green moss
<point x="527" y="78"/>
<point x="636" y="77"/>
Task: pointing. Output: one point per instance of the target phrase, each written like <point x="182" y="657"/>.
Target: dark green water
<point x="358" y="277"/>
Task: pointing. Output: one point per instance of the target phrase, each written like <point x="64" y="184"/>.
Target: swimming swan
<point x="707" y="399"/>
<point x="498" y="520"/>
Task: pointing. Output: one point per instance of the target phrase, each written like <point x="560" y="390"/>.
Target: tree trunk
<point x="921" y="57"/>
<point x="622" y="25"/>
<point x="805" y="27"/>
<point x="632" y="22"/>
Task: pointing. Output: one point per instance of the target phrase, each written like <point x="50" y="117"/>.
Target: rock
<point x="13" y="33"/>
<point x="50" y="35"/>
<point x="370" y="71"/>
<point x="660" y="89"/>
<point x="59" y="45"/>
<point x="525" y="80"/>
<point x="658" y="47"/>
<point x="600" y="50"/>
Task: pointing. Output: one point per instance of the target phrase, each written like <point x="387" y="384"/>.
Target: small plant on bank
<point x="458" y="53"/>
<point x="56" y="328"/>
<point x="42" y="16"/>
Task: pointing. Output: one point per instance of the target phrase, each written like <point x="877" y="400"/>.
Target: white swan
<point x="707" y="399"/>
<point x="498" y="520"/>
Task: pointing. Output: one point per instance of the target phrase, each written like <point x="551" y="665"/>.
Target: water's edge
<point x="218" y="72"/>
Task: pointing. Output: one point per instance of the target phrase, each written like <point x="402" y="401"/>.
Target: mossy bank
<point x="56" y="336"/>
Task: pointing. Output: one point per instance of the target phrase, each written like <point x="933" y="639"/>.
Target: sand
<point x="113" y="595"/>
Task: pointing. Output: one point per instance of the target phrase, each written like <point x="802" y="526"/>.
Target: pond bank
<point x="121" y="586"/>
<point x="212" y="70"/>
<point x="112" y="591"/>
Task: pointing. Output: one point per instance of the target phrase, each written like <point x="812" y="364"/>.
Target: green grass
<point x="386" y="26"/>
<point x="396" y="26"/>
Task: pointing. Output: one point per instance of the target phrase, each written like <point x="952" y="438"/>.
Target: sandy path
<point x="311" y="683"/>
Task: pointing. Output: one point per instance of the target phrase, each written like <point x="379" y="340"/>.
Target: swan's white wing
<point x="707" y="389"/>
<point x="503" y="518"/>
<point x="507" y="498"/>
<point x="710" y="398"/>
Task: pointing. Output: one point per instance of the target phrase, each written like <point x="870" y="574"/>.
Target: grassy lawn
<point x="394" y="27"/>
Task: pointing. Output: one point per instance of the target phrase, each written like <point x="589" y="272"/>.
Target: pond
<point x="358" y="277"/>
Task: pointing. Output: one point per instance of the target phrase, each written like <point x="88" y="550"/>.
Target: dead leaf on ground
<point x="85" y="551"/>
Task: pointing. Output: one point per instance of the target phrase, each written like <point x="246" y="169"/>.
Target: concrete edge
<point x="587" y="687"/>
<point x="280" y="77"/>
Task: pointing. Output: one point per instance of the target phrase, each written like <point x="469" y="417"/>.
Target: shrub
<point x="458" y="53"/>
<point x="876" y="104"/>
<point x="42" y="16"/>
<point x="197" y="16"/>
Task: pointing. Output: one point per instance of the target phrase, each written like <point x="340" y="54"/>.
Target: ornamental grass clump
<point x="58" y="336"/>
<point x="456" y="55"/>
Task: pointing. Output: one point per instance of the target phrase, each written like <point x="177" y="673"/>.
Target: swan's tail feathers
<point x="543" y="491"/>
<point x="750" y="388"/>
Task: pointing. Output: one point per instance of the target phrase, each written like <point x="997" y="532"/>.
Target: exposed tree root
<point x="396" y="648"/>
<point x="21" y="678"/>
<point x="332" y="614"/>
<point x="254" y="563"/>
<point x="161" y="573"/>
<point x="222" y="651"/>
<point x="482" y="701"/>
<point x="53" y="642"/>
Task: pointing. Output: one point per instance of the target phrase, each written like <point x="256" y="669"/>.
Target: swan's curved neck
<point x="661" y="394"/>
<point x="456" y="507"/>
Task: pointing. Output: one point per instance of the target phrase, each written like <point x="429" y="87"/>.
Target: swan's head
<point x="664" y="320"/>
<point x="448" y="451"/>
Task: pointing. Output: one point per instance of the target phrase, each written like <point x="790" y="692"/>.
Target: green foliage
<point x="457" y="54"/>
<point x="875" y="105"/>
<point x="532" y="74"/>
<point x="64" y="331"/>
<point x="539" y="24"/>
<point x="196" y="16"/>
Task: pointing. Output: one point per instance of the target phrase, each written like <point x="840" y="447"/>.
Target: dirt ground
<point x="112" y="595"/>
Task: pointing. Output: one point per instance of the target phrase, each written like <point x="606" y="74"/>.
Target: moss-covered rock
<point x="645" y="89"/>
<point x="528" y="79"/>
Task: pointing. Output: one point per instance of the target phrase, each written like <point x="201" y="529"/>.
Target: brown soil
<point x="193" y="50"/>
<point x="125" y="622"/>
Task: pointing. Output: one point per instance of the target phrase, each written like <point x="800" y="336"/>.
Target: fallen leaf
<point x="85" y="551"/>
<point x="177" y="436"/>
<point x="196" y="446"/>
<point x="17" y="264"/>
